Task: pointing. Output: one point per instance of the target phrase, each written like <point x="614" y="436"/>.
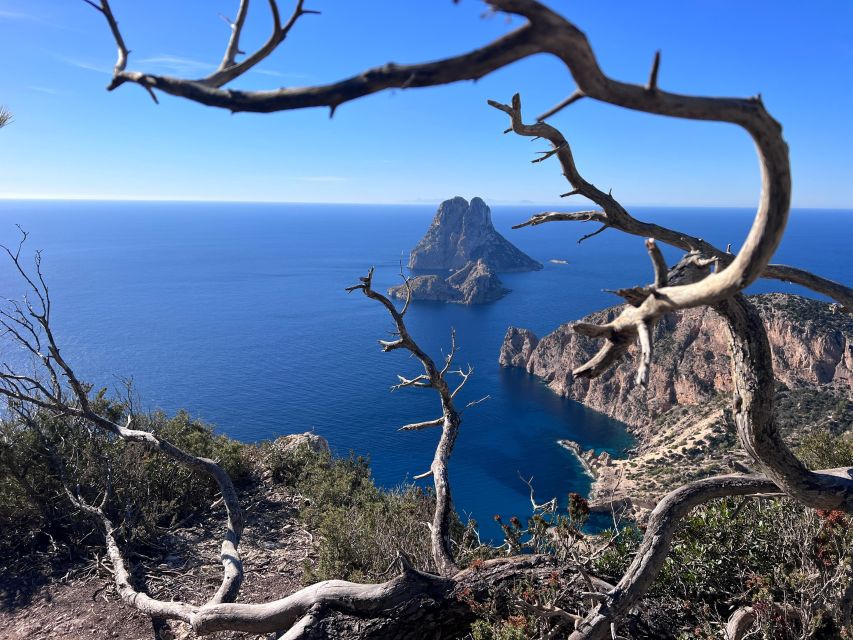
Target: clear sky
<point x="71" y="138"/>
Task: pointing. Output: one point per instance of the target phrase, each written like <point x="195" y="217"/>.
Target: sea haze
<point x="237" y="313"/>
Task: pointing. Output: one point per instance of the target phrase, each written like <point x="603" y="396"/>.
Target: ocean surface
<point x="237" y="313"/>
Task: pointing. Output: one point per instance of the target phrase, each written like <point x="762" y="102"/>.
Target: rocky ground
<point x="52" y="598"/>
<point x="682" y="422"/>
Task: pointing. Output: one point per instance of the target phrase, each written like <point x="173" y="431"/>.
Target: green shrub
<point x="747" y="551"/>
<point x="42" y="454"/>
<point x="361" y="528"/>
<point x="823" y="450"/>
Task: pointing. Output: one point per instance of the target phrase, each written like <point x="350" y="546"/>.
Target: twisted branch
<point x="656" y="543"/>
<point x="763" y="238"/>
<point x="450" y="419"/>
<point x="754" y="387"/>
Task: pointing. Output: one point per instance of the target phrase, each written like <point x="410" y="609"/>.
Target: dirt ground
<point x="78" y="600"/>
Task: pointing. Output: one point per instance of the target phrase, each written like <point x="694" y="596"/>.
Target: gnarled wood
<point x="742" y="620"/>
<point x="433" y="378"/>
<point x="656" y="545"/>
<point x="754" y="388"/>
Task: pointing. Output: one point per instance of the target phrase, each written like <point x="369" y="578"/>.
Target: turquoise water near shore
<point x="237" y="312"/>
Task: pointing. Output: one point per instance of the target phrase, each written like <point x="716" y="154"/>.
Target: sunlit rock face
<point x="474" y="283"/>
<point x="812" y="344"/>
<point x="461" y="233"/>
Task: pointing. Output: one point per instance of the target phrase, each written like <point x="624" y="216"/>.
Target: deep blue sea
<point x="237" y="313"/>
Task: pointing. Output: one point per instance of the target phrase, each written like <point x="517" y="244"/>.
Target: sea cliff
<point x="682" y="422"/>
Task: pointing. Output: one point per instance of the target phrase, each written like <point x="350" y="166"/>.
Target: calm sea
<point x="237" y="313"/>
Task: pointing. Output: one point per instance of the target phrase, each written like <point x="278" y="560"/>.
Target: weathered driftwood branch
<point x="433" y="378"/>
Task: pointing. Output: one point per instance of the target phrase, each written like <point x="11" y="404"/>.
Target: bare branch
<point x="546" y="155"/>
<point x="123" y="52"/>
<point x="603" y="227"/>
<point x="417" y="426"/>
<point x="464" y="375"/>
<point x="646" y="349"/>
<point x="754" y="389"/>
<point x="655" y="547"/>
<point x="548" y="507"/>
<point x="433" y="378"/>
<point x="474" y="403"/>
<point x="762" y="240"/>
<point x="661" y="270"/>
<point x="745" y="617"/>
<point x="577" y="95"/>
<point x="652" y="84"/>
<point x="229" y="69"/>
<point x="233" y="48"/>
<point x="574" y="216"/>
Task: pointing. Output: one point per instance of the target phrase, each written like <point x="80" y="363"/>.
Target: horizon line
<point x="416" y="202"/>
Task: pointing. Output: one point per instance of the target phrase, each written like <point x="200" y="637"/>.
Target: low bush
<point x="757" y="552"/>
<point x="361" y="528"/>
<point x="43" y="455"/>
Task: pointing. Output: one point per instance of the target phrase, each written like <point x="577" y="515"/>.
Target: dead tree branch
<point x="655" y="547"/>
<point x="754" y="389"/>
<point x="433" y="378"/>
<point x="615" y="216"/>
<point x="744" y="618"/>
<point x="763" y="238"/>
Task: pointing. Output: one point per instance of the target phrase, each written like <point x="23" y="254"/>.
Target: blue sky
<point x="71" y="138"/>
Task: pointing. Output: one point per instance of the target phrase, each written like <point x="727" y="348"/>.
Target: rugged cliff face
<point x="461" y="233"/>
<point x="474" y="283"/>
<point x="683" y="423"/>
<point x="812" y="345"/>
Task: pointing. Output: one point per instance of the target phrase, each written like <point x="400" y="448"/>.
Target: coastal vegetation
<point x="728" y="554"/>
<point x="765" y="550"/>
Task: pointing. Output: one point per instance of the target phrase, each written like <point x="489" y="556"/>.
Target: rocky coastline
<point x="682" y="422"/>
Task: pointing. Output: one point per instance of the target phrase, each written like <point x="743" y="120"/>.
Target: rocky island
<point x="683" y="422"/>
<point x="463" y="240"/>
<point x="461" y="233"/>
<point x="474" y="283"/>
